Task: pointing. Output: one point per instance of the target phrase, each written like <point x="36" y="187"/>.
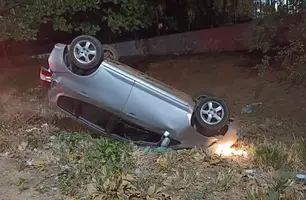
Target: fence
<point x="262" y="7"/>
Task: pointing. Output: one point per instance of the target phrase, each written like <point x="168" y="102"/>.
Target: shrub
<point x="280" y="37"/>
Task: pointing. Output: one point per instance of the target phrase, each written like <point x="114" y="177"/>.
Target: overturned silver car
<point x="118" y="101"/>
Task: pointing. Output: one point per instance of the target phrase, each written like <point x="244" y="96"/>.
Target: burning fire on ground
<point x="227" y="150"/>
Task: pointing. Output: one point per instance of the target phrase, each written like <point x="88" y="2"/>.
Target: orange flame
<point x="226" y="150"/>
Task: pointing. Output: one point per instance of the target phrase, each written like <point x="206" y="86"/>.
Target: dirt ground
<point x="17" y="185"/>
<point x="227" y="77"/>
<point x="281" y="116"/>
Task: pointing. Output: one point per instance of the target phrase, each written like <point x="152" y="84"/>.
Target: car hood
<point x="152" y="83"/>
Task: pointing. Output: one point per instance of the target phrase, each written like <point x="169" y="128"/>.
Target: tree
<point x="21" y="20"/>
<point x="233" y="9"/>
<point x="280" y="36"/>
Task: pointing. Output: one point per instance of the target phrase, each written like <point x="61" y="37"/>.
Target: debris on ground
<point x="250" y="108"/>
<point x="250" y="173"/>
<point x="301" y="176"/>
<point x="23" y="146"/>
<point x="29" y="162"/>
<point x="156" y="149"/>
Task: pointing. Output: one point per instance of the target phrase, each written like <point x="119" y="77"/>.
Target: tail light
<point x="45" y="76"/>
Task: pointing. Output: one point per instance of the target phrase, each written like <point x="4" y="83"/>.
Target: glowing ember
<point x="226" y="150"/>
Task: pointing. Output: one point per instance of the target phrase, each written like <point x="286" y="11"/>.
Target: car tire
<point x="110" y="53"/>
<point x="216" y="109"/>
<point x="86" y="52"/>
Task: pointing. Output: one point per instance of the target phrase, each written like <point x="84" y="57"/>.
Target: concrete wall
<point x="229" y="38"/>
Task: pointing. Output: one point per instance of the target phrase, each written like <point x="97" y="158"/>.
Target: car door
<point x="151" y="108"/>
<point x="104" y="88"/>
<point x="153" y="105"/>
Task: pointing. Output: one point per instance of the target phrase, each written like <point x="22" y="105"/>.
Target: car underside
<point x="107" y="124"/>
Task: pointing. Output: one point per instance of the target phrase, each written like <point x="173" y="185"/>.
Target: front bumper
<point x="191" y="138"/>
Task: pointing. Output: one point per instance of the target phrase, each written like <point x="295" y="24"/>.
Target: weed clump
<point x="276" y="155"/>
<point x="301" y="152"/>
<point x="84" y="160"/>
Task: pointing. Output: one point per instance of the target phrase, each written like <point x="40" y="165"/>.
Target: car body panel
<point x="149" y="107"/>
<point x="153" y="84"/>
<point x="130" y="95"/>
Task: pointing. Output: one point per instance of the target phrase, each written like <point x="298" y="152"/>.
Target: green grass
<point x="273" y="154"/>
<point x="278" y="164"/>
<point x="301" y="152"/>
<point x="280" y="155"/>
<point x="85" y="160"/>
<point x="99" y="167"/>
<point x="279" y="185"/>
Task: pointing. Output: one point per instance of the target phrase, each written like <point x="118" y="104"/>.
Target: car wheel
<point x="212" y="113"/>
<point x="110" y="53"/>
<point x="86" y="52"/>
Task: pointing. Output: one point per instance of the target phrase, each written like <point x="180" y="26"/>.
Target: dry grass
<point x="24" y="115"/>
<point x="193" y="174"/>
<point x="273" y="141"/>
